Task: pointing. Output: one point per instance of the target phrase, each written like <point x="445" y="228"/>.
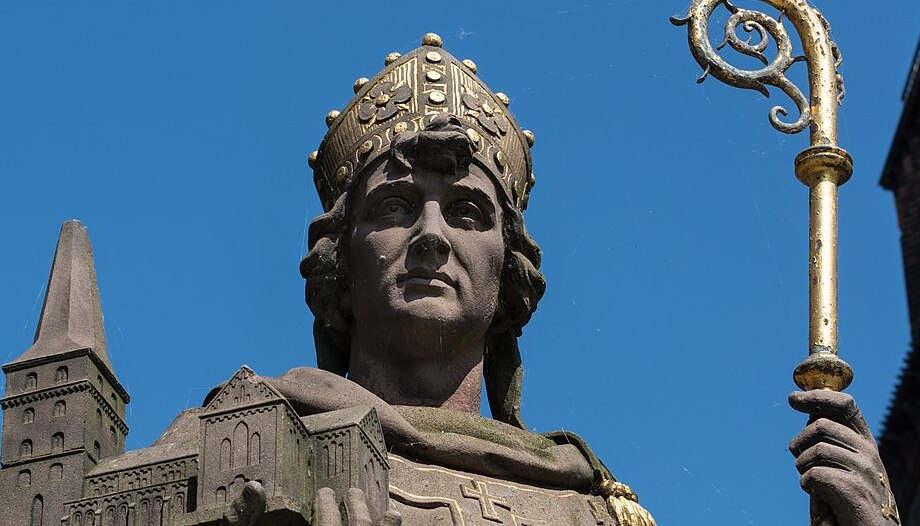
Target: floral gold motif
<point x="489" y="116"/>
<point x="383" y="101"/>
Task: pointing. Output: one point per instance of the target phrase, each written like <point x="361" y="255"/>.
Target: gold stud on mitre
<point x="403" y="98"/>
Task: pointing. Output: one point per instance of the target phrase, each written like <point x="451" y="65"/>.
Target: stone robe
<point x="453" y="468"/>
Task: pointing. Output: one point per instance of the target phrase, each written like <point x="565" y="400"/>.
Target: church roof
<point x="179" y="440"/>
<point x="71" y="316"/>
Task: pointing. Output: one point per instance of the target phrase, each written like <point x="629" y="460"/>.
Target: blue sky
<point x="673" y="228"/>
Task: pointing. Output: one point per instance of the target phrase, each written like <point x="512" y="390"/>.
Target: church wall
<point x="53" y="480"/>
<point x="235" y="448"/>
<point x="104" y="414"/>
<point x="45" y="376"/>
<point x="156" y="505"/>
<point x="293" y="467"/>
<point x="29" y="408"/>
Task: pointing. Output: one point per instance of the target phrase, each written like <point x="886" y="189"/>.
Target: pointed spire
<point x="71" y="317"/>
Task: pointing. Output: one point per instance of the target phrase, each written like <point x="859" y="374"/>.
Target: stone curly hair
<point x="325" y="269"/>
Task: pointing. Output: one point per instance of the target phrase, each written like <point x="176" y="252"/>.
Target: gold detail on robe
<point x="623" y="504"/>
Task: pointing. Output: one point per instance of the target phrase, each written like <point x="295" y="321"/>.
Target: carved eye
<point x="466" y="212"/>
<point x="393" y="206"/>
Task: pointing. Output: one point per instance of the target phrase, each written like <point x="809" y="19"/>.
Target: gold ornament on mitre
<point x="403" y="98"/>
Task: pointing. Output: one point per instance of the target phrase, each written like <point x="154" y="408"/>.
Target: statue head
<point x="423" y="178"/>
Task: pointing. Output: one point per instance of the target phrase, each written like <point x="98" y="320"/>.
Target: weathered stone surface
<point x="64" y="409"/>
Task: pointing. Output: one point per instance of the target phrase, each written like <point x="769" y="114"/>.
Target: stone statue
<point x="421" y="277"/>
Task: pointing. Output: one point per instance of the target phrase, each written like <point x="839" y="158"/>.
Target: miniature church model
<point x="63" y="442"/>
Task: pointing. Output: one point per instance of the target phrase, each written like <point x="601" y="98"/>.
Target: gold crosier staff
<point x="822" y="167"/>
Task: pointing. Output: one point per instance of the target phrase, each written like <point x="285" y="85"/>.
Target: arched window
<point x="143" y="518"/>
<point x="28" y="416"/>
<point x="38" y="509"/>
<point x="31" y="381"/>
<point x="239" y="455"/>
<point x="57" y="443"/>
<point x="224" y="455"/>
<point x="56" y="472"/>
<point x="97" y="450"/>
<point x="99" y="416"/>
<point x="112" y="433"/>
<point x="255" y="449"/>
<point x="60" y="375"/>
<point x="25" y="478"/>
<point x="25" y="449"/>
<point x="60" y="408"/>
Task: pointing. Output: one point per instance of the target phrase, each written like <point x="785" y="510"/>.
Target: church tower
<point x="63" y="408"/>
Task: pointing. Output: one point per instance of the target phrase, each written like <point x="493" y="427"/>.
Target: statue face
<point x="426" y="250"/>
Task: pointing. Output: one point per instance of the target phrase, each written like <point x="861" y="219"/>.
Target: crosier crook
<point x="822" y="167"/>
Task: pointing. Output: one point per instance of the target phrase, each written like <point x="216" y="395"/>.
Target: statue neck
<point x="442" y="371"/>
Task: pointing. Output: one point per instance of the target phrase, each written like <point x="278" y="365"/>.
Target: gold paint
<point x="503" y="98"/>
<point x="340" y="174"/>
<point x="532" y="181"/>
<point x="391" y="58"/>
<point x="416" y="71"/>
<point x="556" y="494"/>
<point x="470" y="64"/>
<point x="822" y="167"/>
<point x="531" y="138"/>
<point x="420" y="501"/>
<point x="432" y="39"/>
<point x="500" y="159"/>
<point x="331" y="116"/>
<point x="366" y="147"/>
<point x="360" y="84"/>
<point x="487" y="502"/>
<point x="311" y="160"/>
<point x="473" y="135"/>
<point x="629" y="513"/>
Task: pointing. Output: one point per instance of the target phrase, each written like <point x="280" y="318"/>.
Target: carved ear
<point x="504" y="376"/>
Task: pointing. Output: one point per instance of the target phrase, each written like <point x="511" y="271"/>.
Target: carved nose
<point x="429" y="239"/>
<point x="430" y="243"/>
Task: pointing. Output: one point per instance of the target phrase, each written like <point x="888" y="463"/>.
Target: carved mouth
<point x="425" y="278"/>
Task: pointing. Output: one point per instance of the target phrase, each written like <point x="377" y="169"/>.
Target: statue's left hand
<point x="839" y="461"/>
<point x="327" y="512"/>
